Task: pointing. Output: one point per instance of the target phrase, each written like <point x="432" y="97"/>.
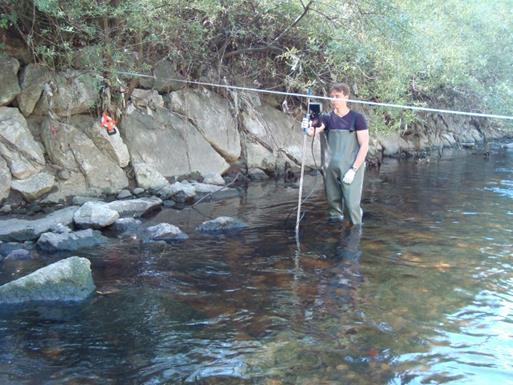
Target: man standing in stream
<point x="347" y="144"/>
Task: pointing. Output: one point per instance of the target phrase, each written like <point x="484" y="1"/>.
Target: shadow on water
<point x="420" y="295"/>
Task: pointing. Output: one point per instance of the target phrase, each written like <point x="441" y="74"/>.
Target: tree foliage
<point x="445" y="53"/>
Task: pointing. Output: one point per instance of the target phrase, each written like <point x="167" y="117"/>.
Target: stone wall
<point x="52" y="145"/>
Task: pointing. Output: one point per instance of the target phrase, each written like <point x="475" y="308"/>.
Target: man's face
<point x="338" y="99"/>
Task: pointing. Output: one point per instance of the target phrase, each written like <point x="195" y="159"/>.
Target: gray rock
<point x="147" y="177"/>
<point x="169" y="143"/>
<point x="274" y="137"/>
<point x="179" y="191"/>
<point x="7" y="248"/>
<point x="221" y="224"/>
<point x="390" y="144"/>
<point x="80" y="200"/>
<point x="69" y="148"/>
<point x="147" y="98"/>
<point x="124" y="225"/>
<point x="216" y="192"/>
<point x="257" y="174"/>
<point x="18" y="255"/>
<point x="35" y="186"/>
<point x="59" y="228"/>
<point x="74" y="185"/>
<point x="168" y="203"/>
<point x="8" y="79"/>
<point x="73" y="93"/>
<point x="6" y="209"/>
<point x="25" y="229"/>
<point x="67" y="280"/>
<point x="213" y="178"/>
<point x="211" y="115"/>
<point x="5" y="180"/>
<point x="53" y="242"/>
<point x="17" y="145"/>
<point x="138" y="191"/>
<point x="124" y="194"/>
<point x="164" y="232"/>
<point x="94" y="215"/>
<point x="32" y="79"/>
<point x="135" y="207"/>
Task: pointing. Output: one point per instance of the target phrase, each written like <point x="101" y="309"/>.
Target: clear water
<point x="422" y="295"/>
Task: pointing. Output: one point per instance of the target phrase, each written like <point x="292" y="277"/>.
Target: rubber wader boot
<point x="339" y="152"/>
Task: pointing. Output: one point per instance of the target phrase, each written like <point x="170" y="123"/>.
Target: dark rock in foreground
<point x="67" y="280"/>
<point x="70" y="241"/>
<point x="164" y="232"/>
<point x="221" y="224"/>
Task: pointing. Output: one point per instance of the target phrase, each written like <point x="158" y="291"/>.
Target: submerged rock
<point x="95" y="215"/>
<point x="124" y="225"/>
<point x="164" y="232"/>
<point x="67" y="280"/>
<point x="19" y="254"/>
<point x="70" y="241"/>
<point x="221" y="224"/>
<point x="26" y="229"/>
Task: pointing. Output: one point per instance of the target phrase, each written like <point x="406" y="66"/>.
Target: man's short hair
<point x="340" y="87"/>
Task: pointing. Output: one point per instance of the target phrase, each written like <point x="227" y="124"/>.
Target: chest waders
<point x="338" y="153"/>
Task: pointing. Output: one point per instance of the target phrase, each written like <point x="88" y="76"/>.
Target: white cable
<point x="405" y="107"/>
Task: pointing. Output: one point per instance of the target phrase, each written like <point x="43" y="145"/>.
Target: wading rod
<point x="300" y="197"/>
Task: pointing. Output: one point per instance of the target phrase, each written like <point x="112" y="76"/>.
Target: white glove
<point x="305" y="124"/>
<point x="349" y="176"/>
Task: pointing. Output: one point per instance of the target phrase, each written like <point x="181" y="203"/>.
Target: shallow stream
<point x="422" y="295"/>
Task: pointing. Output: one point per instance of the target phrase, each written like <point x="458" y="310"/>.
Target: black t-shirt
<point x="351" y="121"/>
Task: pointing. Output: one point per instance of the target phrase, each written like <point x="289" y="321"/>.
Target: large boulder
<point x="212" y="117"/>
<point x="8" y="79"/>
<point x="69" y="279"/>
<point x="95" y="215"/>
<point x="32" y="79"/>
<point x="72" y="241"/>
<point x="71" y="149"/>
<point x="34" y="186"/>
<point x="112" y="145"/>
<point x="19" y="230"/>
<point x="5" y="179"/>
<point x="279" y="134"/>
<point x="169" y="144"/>
<point x="73" y="92"/>
<point x="17" y="145"/>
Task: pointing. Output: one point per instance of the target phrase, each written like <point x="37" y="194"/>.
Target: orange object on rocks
<point x="109" y="124"/>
